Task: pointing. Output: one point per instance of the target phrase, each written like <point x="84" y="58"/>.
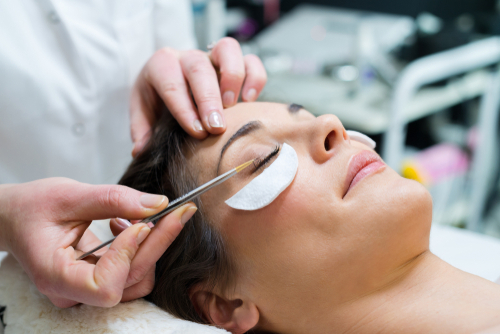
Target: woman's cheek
<point x="359" y="145"/>
<point x="292" y="207"/>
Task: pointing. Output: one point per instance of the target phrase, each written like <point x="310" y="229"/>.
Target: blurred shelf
<point x="368" y="112"/>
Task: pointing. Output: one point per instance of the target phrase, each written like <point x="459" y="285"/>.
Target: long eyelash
<point x="259" y="162"/>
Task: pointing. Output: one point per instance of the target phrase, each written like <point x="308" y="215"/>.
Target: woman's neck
<point x="427" y="295"/>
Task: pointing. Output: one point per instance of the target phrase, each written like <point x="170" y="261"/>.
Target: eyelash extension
<point x="259" y="162"/>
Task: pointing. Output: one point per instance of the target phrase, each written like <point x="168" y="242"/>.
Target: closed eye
<point x="260" y="162"/>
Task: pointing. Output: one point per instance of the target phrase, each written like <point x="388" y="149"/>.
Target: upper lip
<point x="356" y="164"/>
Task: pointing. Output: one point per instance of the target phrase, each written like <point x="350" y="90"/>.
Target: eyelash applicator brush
<point x="177" y="203"/>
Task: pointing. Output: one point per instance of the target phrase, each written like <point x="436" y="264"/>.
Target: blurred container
<point x="209" y="20"/>
<point x="436" y="164"/>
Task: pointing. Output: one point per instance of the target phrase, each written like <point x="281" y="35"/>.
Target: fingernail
<point x="215" y="120"/>
<point x="152" y="201"/>
<point x="186" y="215"/>
<point x="251" y="94"/>
<point x="143" y="233"/>
<point x="228" y="98"/>
<point x="123" y="223"/>
<point x="197" y="126"/>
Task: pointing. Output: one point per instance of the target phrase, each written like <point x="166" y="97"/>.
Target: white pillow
<point x="28" y="311"/>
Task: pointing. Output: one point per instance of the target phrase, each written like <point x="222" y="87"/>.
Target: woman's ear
<point x="234" y="315"/>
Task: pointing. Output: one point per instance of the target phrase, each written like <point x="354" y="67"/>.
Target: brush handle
<point x="181" y="201"/>
<point x="95" y="249"/>
<point x="175" y="204"/>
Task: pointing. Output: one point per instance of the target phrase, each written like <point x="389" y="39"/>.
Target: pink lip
<point x="360" y="166"/>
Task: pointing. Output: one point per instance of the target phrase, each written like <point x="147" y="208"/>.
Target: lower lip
<point x="367" y="170"/>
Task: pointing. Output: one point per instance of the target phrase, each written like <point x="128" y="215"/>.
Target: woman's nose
<point x="328" y="134"/>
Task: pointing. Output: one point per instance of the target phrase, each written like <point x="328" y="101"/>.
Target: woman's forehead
<point x="206" y="153"/>
<point x="265" y="112"/>
<point x="238" y="116"/>
<point x="243" y="112"/>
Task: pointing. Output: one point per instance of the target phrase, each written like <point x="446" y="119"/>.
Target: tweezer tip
<point x="243" y="166"/>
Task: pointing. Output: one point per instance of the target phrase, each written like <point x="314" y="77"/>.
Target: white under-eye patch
<point x="362" y="138"/>
<point x="264" y="189"/>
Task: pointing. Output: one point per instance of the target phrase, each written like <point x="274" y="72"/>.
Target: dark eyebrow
<point x="294" y="108"/>
<point x="243" y="131"/>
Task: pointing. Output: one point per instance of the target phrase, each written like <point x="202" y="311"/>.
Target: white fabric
<point x="264" y="189"/>
<point x="66" y="71"/>
<point x="28" y="311"/>
<point x="472" y="252"/>
<point x="362" y="138"/>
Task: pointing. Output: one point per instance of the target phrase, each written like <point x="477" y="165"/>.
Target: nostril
<point x="329" y="140"/>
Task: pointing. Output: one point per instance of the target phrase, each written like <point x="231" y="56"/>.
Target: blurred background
<point x="420" y="77"/>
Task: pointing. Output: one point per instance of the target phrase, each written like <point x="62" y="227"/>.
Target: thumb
<point x="91" y="202"/>
<point x="101" y="284"/>
<point x="112" y="269"/>
<point x="162" y="236"/>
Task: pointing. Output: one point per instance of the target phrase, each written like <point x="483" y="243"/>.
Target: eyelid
<point x="259" y="162"/>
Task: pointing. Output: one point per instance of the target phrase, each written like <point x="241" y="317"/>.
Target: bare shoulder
<point x="492" y="330"/>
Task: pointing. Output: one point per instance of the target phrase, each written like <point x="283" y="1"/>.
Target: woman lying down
<point x="341" y="247"/>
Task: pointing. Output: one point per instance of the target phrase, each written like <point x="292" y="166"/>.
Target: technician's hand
<point x="195" y="86"/>
<point x="42" y="224"/>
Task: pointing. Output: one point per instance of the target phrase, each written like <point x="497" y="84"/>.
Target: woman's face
<point x="315" y="245"/>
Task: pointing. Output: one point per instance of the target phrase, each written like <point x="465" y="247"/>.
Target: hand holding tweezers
<point x="177" y="203"/>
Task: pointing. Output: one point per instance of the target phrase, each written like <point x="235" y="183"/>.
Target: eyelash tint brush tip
<point x="177" y="203"/>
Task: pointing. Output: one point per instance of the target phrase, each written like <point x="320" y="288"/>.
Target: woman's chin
<point x="390" y="197"/>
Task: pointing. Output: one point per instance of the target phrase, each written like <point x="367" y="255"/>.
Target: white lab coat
<point x="66" y="71"/>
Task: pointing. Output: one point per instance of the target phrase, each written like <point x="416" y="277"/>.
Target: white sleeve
<point x="173" y="24"/>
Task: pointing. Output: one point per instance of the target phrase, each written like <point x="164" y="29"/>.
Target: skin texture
<point x="318" y="260"/>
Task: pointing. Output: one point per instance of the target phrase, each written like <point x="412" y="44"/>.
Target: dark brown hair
<point x="198" y="254"/>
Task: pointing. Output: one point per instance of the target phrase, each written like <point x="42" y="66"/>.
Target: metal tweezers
<point x="177" y="203"/>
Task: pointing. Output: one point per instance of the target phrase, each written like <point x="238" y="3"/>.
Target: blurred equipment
<point x="271" y="11"/>
<point x="442" y="66"/>
<point x="344" y="62"/>
<point x="335" y="61"/>
<point x="444" y="9"/>
<point x="209" y="21"/>
<point x="324" y="36"/>
<point x="435" y="164"/>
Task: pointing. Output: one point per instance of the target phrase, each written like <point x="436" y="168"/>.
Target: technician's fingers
<point x="101" y="284"/>
<point x="256" y="78"/>
<point x="166" y="76"/>
<point x="202" y="80"/>
<point x="117" y="225"/>
<point x="228" y="57"/>
<point x="89" y="241"/>
<point x="161" y="237"/>
<point x="141" y="289"/>
<point x="91" y="202"/>
<point x="62" y="302"/>
<point x="111" y="271"/>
